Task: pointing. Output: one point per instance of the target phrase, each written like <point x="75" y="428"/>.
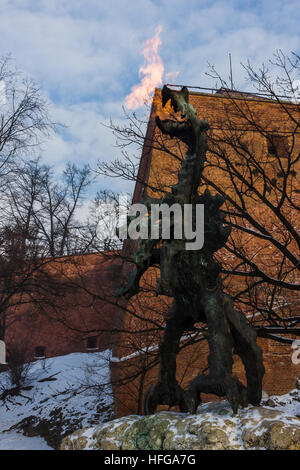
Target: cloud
<point x="84" y="138"/>
<point x="85" y="56"/>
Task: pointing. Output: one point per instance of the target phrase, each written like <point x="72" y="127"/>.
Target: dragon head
<point x="178" y="98"/>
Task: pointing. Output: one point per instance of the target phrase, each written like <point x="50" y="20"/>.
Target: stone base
<point x="212" y="428"/>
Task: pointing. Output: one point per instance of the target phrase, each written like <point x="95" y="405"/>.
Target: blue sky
<point x="85" y="55"/>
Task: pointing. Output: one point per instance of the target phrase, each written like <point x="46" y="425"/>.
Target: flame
<point x="151" y="73"/>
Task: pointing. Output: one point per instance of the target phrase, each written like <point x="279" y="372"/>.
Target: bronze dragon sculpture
<point x="192" y="278"/>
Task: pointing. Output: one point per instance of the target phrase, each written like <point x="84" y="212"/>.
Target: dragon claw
<point x="163" y="394"/>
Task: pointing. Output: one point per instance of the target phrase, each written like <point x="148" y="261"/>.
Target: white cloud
<point x="85" y="55"/>
<point x="84" y="138"/>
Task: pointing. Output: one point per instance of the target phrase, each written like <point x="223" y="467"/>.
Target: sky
<point x="85" y="56"/>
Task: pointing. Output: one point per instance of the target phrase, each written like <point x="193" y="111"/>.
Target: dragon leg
<point x="219" y="381"/>
<point x="167" y="391"/>
<point x="245" y="345"/>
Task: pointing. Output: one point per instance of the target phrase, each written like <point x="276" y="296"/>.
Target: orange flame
<point x="151" y="73"/>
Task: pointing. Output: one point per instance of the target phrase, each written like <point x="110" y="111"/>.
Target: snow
<point x="217" y="415"/>
<point x="288" y="403"/>
<point x="16" y="441"/>
<point x="90" y="406"/>
<point x="72" y="391"/>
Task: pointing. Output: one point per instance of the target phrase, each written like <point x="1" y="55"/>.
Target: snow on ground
<point x="213" y="427"/>
<point x="63" y="400"/>
<point x="17" y="441"/>
<point x="288" y="403"/>
<point x="69" y="398"/>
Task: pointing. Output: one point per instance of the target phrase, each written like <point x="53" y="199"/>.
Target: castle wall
<point x="82" y="307"/>
<point x="280" y="376"/>
<point x="131" y="377"/>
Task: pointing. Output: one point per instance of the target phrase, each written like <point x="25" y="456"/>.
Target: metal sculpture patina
<point x="192" y="278"/>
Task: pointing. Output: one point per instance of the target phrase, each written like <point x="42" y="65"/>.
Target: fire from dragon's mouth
<point x="151" y="73"/>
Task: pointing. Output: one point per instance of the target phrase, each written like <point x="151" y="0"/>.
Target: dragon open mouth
<point x="177" y="97"/>
<point x="178" y="100"/>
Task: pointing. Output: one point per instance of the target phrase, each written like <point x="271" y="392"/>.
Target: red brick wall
<point x="160" y="171"/>
<point x="280" y="376"/>
<point x="84" y="308"/>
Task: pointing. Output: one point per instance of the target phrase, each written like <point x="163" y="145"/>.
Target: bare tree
<point x="39" y="217"/>
<point x="36" y="198"/>
<point x="39" y="223"/>
<point x="263" y="207"/>
<point x="24" y="118"/>
<point x="19" y="367"/>
<point x="24" y="123"/>
<point x="105" y="213"/>
<point x="256" y="158"/>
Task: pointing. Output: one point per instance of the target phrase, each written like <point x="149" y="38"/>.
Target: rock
<point x="79" y="443"/>
<point x="214" y="427"/>
<point x="282" y="437"/>
<point x="211" y="437"/>
<point x="273" y="436"/>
